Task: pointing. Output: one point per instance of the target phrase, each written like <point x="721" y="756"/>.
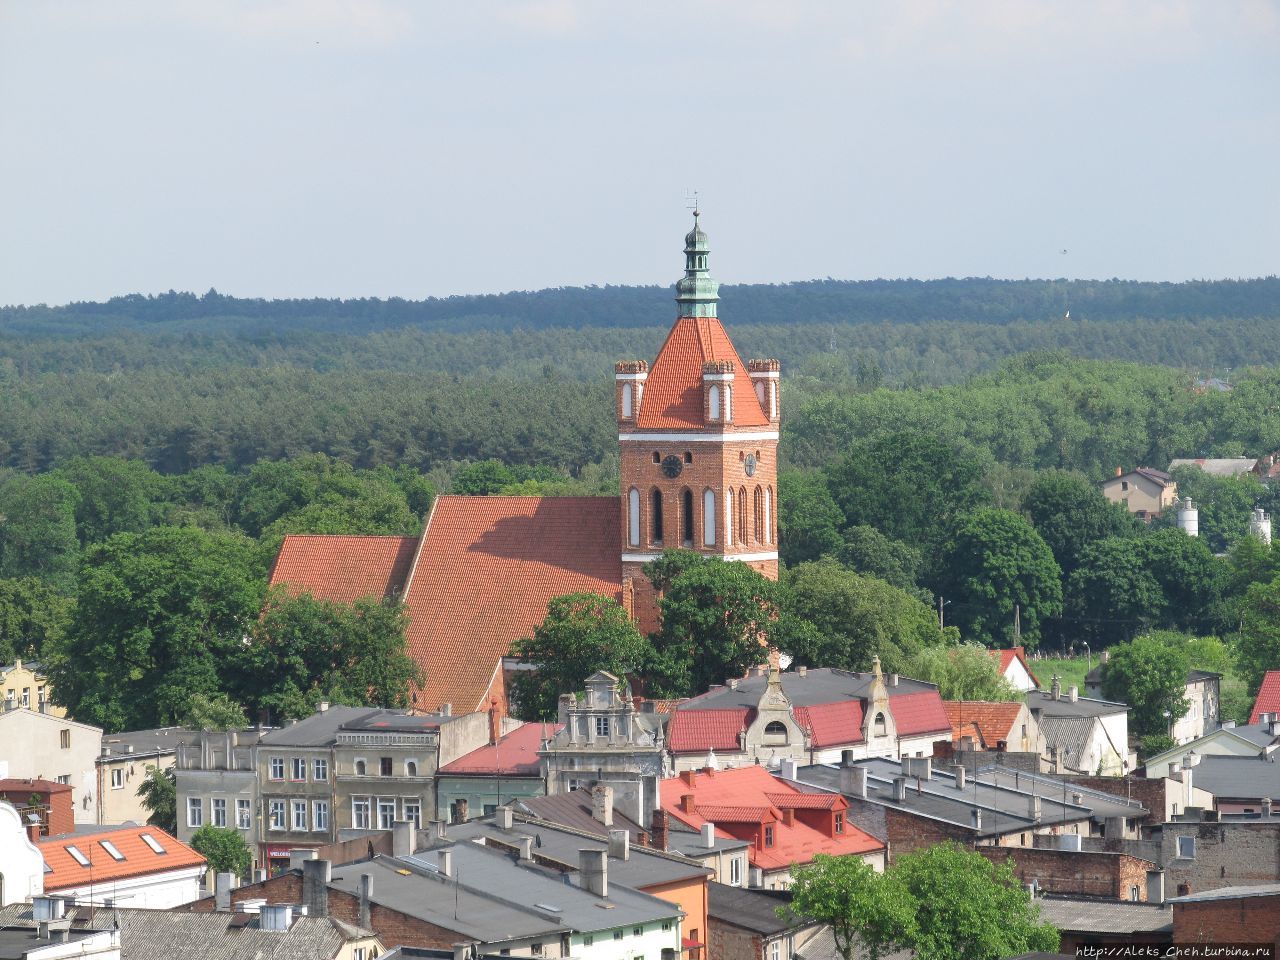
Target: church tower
<point x="698" y="433"/>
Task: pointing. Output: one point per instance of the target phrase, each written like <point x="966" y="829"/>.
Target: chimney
<point x="224" y="883"/>
<point x="446" y="710"/>
<point x="853" y="781"/>
<point x="688" y="803"/>
<point x="298" y="857"/>
<point x="658" y="830"/>
<point x="708" y="833"/>
<point x="445" y="859"/>
<point x="316" y="875"/>
<point x="846" y="758"/>
<point x="366" y="898"/>
<point x="322" y="706"/>
<point x="504" y="818"/>
<point x="961" y="774"/>
<point x="1055" y="688"/>
<point x="34" y="831"/>
<point x="435" y="830"/>
<point x="1075" y="694"/>
<point x="893" y="679"/>
<point x="1155" y="886"/>
<point x="602" y="804"/>
<point x="620" y="844"/>
<point x="1266" y="807"/>
<point x="733" y="683"/>
<point x="495" y="722"/>
<point x="802" y="671"/>
<point x="975" y="819"/>
<point x="899" y="789"/>
<point x="276" y="917"/>
<point x="402" y="838"/>
<point x="1119" y="472"/>
<point x="789" y="817"/>
<point x="526" y="848"/>
<point x="593" y="871"/>
<point x="690" y="777"/>
<point x="1077" y="798"/>
<point x="1033" y="807"/>
<point x="788" y="769"/>
<point x="464" y="951"/>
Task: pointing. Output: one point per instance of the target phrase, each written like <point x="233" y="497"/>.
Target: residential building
<point x="124" y="867"/>
<point x="745" y="925"/>
<point x="21" y="866"/>
<point x="1219" y="466"/>
<point x="1237" y="914"/>
<point x="505" y="771"/>
<point x="40" y="930"/>
<point x="1202" y="852"/>
<point x="697" y="445"/>
<point x="1203" y="693"/>
<point x="25" y="686"/>
<point x="1229" y="740"/>
<point x="785" y="826"/>
<point x="1238" y="784"/>
<point x="1146" y="492"/>
<point x="996" y="725"/>
<point x="1091" y="922"/>
<point x="604" y="739"/>
<point x="1015" y="668"/>
<point x="1107" y="874"/>
<point x="41" y="803"/>
<point x="216" y="782"/>
<point x="124" y="763"/>
<point x="1082" y="734"/>
<point x="807" y="715"/>
<point x="1268" y="699"/>
<point x="35" y="745"/>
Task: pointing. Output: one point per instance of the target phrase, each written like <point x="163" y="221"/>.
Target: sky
<point x="298" y="148"/>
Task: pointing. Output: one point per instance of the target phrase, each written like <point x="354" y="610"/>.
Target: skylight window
<point x="151" y="842"/>
<point x="77" y="856"/>
<point x="111" y="848"/>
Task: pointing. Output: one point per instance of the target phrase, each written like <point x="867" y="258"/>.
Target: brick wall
<point x="728" y="942"/>
<point x="908" y="832"/>
<point x="1226" y="855"/>
<point x="1081" y="874"/>
<point x="1242" y="920"/>
<point x="1149" y="793"/>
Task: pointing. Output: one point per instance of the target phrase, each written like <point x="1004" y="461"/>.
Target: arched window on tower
<point x="626" y="400"/>
<point x="728" y="517"/>
<point x="742" y="515"/>
<point x="686" y="518"/>
<point x="728" y="403"/>
<point x="757" y="514"/>
<point x="713" y="402"/>
<point x="878" y="726"/>
<point x="768" y="514"/>
<point x="760" y="389"/>
<point x="655" y="518"/>
<point x="708" y="517"/>
<point x="633" y="517"/>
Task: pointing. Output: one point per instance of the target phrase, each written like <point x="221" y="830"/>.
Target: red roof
<point x="803" y="801"/>
<point x="672" y="395"/>
<point x="1015" y="653"/>
<point x="993" y="720"/>
<point x="486" y="571"/>
<point x="919" y="712"/>
<point x="139" y="859"/>
<point x="343" y="569"/>
<point x="514" y="755"/>
<point x="697" y="731"/>
<point x="743" y="800"/>
<point x="832" y="723"/>
<point x="1268" y="696"/>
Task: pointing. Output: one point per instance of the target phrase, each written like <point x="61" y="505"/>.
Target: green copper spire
<point x="696" y="292"/>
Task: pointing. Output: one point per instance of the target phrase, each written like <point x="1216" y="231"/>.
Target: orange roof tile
<point x="994" y="720"/>
<point x="486" y="571"/>
<point x="514" y="755"/>
<point x="833" y="723"/>
<point x="697" y="731"/>
<point x="343" y="568"/>
<point x="1014" y="653"/>
<point x="139" y="859"/>
<point x="805" y="801"/>
<point x="672" y="395"/>
<point x="1268" y="700"/>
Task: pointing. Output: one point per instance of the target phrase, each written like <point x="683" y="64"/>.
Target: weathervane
<point x="691" y="201"/>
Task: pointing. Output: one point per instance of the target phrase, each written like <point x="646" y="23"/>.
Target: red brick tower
<point x="698" y="433"/>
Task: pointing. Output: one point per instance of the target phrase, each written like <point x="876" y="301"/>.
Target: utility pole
<point x="941" y="625"/>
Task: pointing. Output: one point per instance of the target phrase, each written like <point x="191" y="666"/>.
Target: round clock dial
<point x="750" y="465"/>
<point x="672" y="465"/>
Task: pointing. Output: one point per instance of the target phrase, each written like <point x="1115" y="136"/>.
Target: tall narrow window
<point x="773" y="399"/>
<point x="633" y="517"/>
<point x="686" y="518"/>
<point x="742" y="515"/>
<point x="760" y="388"/>
<point x="708" y="517"/>
<point x="757" y="514"/>
<point x="768" y="514"/>
<point x="713" y="402"/>
<point x="728" y="403"/>
<point x="626" y="400"/>
<point x="655" y="518"/>
<point x="728" y="517"/>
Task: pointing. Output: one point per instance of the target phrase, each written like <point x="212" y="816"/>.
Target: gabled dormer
<point x="878" y="726"/>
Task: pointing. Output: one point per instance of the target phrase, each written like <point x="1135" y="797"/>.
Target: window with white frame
<point x="361" y="818"/>
<point x="218" y="807"/>
<point x="299" y="771"/>
<point x="602" y="726"/>
<point x="735" y="872"/>
<point x="244" y="814"/>
<point x="775" y="950"/>
<point x="386" y="812"/>
<point x="299" y="814"/>
<point x="413" y="813"/>
<point x="320" y="815"/>
<point x="195" y="812"/>
<point x="277" y="768"/>
<point x="117" y="779"/>
<point x="320" y="770"/>
<point x="1187" y="848"/>
<point x="276" y="815"/>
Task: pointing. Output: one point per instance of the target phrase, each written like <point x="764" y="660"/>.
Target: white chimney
<point x="445" y="858"/>
<point x="276" y="917"/>
<point x="1260" y="525"/>
<point x="593" y="871"/>
<point x="708" y="835"/>
<point x="1074" y="694"/>
<point x="505" y="818"/>
<point x="789" y="769"/>
<point x="1188" y="518"/>
<point x="620" y="844"/>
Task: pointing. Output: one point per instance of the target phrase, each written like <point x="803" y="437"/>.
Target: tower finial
<point x="696" y="292"/>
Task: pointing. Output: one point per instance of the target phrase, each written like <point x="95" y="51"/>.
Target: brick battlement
<point x="717" y="366"/>
<point x="763" y="366"/>
<point x="631" y="366"/>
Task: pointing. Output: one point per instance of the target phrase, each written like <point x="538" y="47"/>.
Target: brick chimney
<point x="495" y="722"/>
<point x="688" y="803"/>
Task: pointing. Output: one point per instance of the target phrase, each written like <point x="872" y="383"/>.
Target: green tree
<point x="968" y="908"/>
<point x="1070" y="513"/>
<point x="870" y="914"/>
<point x="32" y="616"/>
<point x="302" y="650"/>
<point x="224" y="848"/>
<point x="1190" y="576"/>
<point x="856" y="618"/>
<point x="159" y="794"/>
<point x="964" y="672"/>
<point x="808" y="519"/>
<point x="116" y="496"/>
<point x="868" y="551"/>
<point x="38" y="530"/>
<point x="716" y="617"/>
<point x="1258" y="644"/>
<point x="484" y="478"/>
<point x="996" y="562"/>
<point x="581" y="633"/>
<point x="158" y="618"/>
<point x="1113" y="593"/>
<point x="1150" y="674"/>
<point x="213" y="712"/>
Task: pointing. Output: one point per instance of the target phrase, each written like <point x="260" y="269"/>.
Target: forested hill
<point x="970" y="300"/>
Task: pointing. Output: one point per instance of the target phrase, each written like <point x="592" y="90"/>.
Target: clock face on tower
<point x="672" y="465"/>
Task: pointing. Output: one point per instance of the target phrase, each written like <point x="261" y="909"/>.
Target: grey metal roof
<point x="561" y="844"/>
<point x="1100" y="803"/>
<point x="1004" y="808"/>
<point x="147" y="742"/>
<point x="547" y="894"/>
<point x="317" y="730"/>
<point x="751" y="909"/>
<point x="1043" y="701"/>
<point x="820" y="685"/>
<point x="1244" y="777"/>
<point x="681" y="839"/>
<point x="17" y="941"/>
<point x="573" y="809"/>
<point x="1256" y="733"/>
<point x="1082" y="915"/>
<point x="1231" y="893"/>
<point x="1069" y="736"/>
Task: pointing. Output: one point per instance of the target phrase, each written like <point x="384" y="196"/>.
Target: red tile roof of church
<point x="672" y="396"/>
<point x="482" y="580"/>
<point x="1268" y="696"/>
<point x="342" y="568"/>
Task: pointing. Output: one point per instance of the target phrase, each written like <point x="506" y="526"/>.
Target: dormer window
<point x="768" y="836"/>
<point x="602" y="726"/>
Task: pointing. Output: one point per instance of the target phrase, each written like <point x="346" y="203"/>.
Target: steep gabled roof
<point x="483" y="577"/>
<point x="140" y="859"/>
<point x="672" y="397"/>
<point x="921" y="712"/>
<point x="1268" y="700"/>
<point x="830" y="724"/>
<point x="341" y="568"/>
<point x="697" y="731"/>
<point x="994" y="720"/>
<point x="1007" y="657"/>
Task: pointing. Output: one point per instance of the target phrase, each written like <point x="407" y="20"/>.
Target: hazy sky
<point x="381" y="148"/>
